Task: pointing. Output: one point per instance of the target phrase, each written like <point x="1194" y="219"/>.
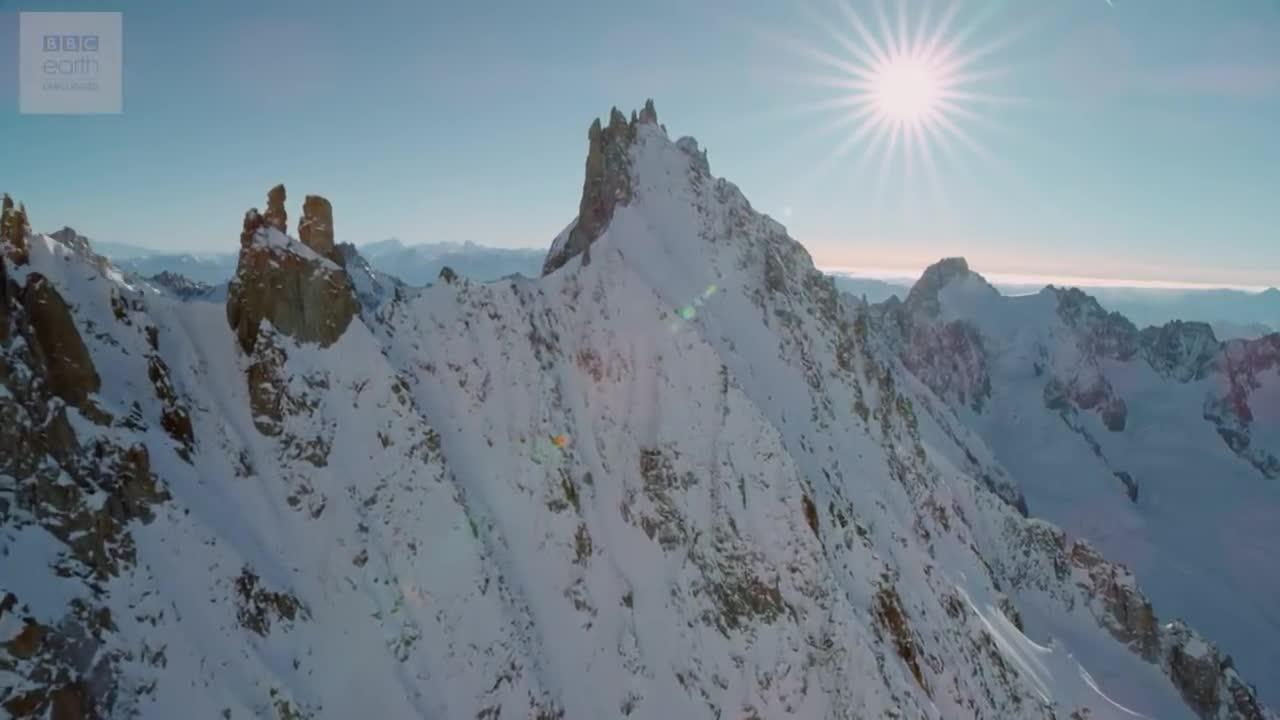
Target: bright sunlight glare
<point x="906" y="89"/>
<point x="903" y="86"/>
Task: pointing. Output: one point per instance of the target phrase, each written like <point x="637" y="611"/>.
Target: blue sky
<point x="1136" y="139"/>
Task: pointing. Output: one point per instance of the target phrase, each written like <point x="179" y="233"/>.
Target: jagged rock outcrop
<point x="1130" y="484"/>
<point x="1088" y="390"/>
<point x="1123" y="610"/>
<point x="275" y="215"/>
<point x="1241" y="367"/>
<point x="70" y="369"/>
<point x="1206" y="678"/>
<point x="315" y="227"/>
<point x="606" y="185"/>
<point x="180" y="285"/>
<point x="1183" y="351"/>
<point x="1100" y="334"/>
<point x="14" y="229"/>
<point x="77" y="485"/>
<point x="948" y="356"/>
<point x="303" y="294"/>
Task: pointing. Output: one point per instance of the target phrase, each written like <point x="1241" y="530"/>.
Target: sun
<point x="904" y="87"/>
<point x="906" y="90"/>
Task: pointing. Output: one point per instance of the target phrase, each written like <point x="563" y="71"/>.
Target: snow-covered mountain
<point x="1161" y="446"/>
<point x="1233" y="314"/>
<point x="677" y="476"/>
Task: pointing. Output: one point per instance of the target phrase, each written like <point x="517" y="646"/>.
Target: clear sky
<point x="1126" y="139"/>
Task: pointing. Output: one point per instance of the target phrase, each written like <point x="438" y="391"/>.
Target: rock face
<point x="1184" y="351"/>
<point x="71" y="374"/>
<point x="14" y="229"/>
<point x="181" y="285"/>
<point x="301" y="293"/>
<point x="275" y="215"/>
<point x="947" y="355"/>
<point x="78" y="486"/>
<point x="315" y="228"/>
<point x="1241" y="369"/>
<point x="606" y="185"/>
<point x="1207" y="679"/>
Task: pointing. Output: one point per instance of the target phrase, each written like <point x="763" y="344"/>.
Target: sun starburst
<point x="905" y="89"/>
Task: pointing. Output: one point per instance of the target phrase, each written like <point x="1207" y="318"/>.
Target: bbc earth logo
<point x="70" y="62"/>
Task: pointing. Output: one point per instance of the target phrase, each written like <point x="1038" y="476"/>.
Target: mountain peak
<point x="606" y="184"/>
<point x="923" y="296"/>
<point x="72" y="239"/>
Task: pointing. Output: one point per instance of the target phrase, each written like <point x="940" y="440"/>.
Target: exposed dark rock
<point x="257" y="608"/>
<point x="252" y="223"/>
<point x="1126" y="612"/>
<point x="1102" y="334"/>
<point x="1184" y="351"/>
<point x="181" y="285"/>
<point x="309" y="299"/>
<point x="607" y="184"/>
<point x="1241" y="363"/>
<point x="14" y="229"/>
<point x="893" y="618"/>
<point x="71" y="373"/>
<point x="315" y="228"/>
<point x="72" y="239"/>
<point x="1130" y="484"/>
<point x="275" y="215"/>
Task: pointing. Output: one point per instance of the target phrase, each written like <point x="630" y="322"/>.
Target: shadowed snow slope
<point x="683" y="480"/>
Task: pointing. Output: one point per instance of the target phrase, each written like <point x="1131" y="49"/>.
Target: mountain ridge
<point x="1089" y="411"/>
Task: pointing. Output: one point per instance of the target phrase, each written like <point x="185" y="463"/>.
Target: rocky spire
<point x="275" y="216"/>
<point x="649" y="115"/>
<point x="315" y="227"/>
<point x="606" y="183"/>
<point x="253" y="222"/>
<point x="14" y="229"/>
<point x="307" y="298"/>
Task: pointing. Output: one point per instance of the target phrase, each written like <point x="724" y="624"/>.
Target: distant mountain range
<point x="1232" y="313"/>
<point x="416" y="265"/>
